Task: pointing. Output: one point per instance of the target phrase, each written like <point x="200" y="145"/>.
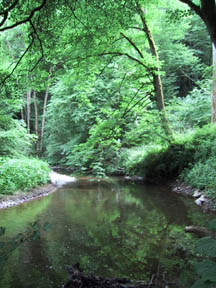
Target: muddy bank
<point x="7" y="201"/>
<point x="199" y="197"/>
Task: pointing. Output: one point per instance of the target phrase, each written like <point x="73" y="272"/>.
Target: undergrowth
<point x="191" y="158"/>
<point x="22" y="174"/>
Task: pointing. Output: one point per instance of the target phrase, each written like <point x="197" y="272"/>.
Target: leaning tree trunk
<point x="44" y="110"/>
<point x="213" y="106"/>
<point x="158" y="88"/>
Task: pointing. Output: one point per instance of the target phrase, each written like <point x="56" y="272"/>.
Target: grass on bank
<point x="191" y="158"/>
<point x="22" y="174"/>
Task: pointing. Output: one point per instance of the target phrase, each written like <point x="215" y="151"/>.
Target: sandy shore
<point x="7" y="201"/>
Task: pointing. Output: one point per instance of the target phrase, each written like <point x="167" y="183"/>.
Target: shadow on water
<point x="111" y="227"/>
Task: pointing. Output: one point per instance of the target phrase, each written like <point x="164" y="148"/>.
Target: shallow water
<point x="112" y="228"/>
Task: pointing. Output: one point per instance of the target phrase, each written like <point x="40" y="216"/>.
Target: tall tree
<point x="44" y="108"/>
<point x="28" y="108"/>
<point x="213" y="114"/>
<point x="207" y="12"/>
<point x="157" y="83"/>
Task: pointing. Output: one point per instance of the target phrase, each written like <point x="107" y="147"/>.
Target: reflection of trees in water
<point x="111" y="230"/>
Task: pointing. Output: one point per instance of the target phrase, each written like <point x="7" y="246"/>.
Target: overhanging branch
<point x="193" y="6"/>
<point x="27" y="19"/>
<point x="18" y="62"/>
<point x="133" y="44"/>
<point x="5" y="12"/>
<point x="41" y="45"/>
<point x="10" y="7"/>
<point x="118" y="53"/>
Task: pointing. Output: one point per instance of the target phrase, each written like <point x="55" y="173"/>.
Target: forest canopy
<point x="87" y="84"/>
<point x="106" y="87"/>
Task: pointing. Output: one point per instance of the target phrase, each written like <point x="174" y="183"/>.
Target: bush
<point x="22" y="174"/>
<point x="163" y="163"/>
<point x="192" y="158"/>
<point x="202" y="176"/>
<point x="14" y="139"/>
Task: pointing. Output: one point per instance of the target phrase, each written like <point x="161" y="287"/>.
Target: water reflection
<point x="112" y="228"/>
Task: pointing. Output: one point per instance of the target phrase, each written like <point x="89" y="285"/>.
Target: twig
<point x="41" y="45"/>
<point x="19" y="61"/>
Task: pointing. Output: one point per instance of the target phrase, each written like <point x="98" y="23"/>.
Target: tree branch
<point x="117" y="53"/>
<point x="19" y="61"/>
<point x="41" y="45"/>
<point x="38" y="8"/>
<point x="4" y="19"/>
<point x="127" y="110"/>
<point x="123" y="79"/>
<point x="193" y="6"/>
<point x="5" y="12"/>
<point x="135" y="94"/>
<point x="103" y="69"/>
<point x="10" y="7"/>
<point x="73" y="12"/>
<point x="141" y="99"/>
<point x="137" y="28"/>
<point x="132" y="44"/>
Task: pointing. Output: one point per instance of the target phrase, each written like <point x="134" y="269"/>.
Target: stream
<point x="112" y="228"/>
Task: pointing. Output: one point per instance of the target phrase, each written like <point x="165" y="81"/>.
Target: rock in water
<point x="201" y="200"/>
<point x="59" y="180"/>
<point x="197" y="194"/>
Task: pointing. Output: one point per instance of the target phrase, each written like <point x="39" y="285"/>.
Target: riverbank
<point x="57" y="181"/>
<point x="7" y="201"/>
<point x="200" y="198"/>
<point x="179" y="187"/>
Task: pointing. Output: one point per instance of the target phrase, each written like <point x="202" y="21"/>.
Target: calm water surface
<point x="112" y="228"/>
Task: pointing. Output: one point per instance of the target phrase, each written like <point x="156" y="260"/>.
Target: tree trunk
<point x="36" y="120"/>
<point x="208" y="15"/>
<point x="206" y="10"/>
<point x="158" y="88"/>
<point x="213" y="106"/>
<point x="28" y="109"/>
<point x="44" y="109"/>
<point x="22" y="114"/>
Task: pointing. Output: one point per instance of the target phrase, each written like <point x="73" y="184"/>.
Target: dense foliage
<point x="22" y="174"/>
<point x="191" y="158"/>
<point x="107" y="87"/>
<point x="205" y="268"/>
<point x="92" y="105"/>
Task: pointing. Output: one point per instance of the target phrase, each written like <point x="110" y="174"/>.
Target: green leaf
<point x="207" y="246"/>
<point x="212" y="225"/>
<point x="207" y="270"/>
<point x="201" y="284"/>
